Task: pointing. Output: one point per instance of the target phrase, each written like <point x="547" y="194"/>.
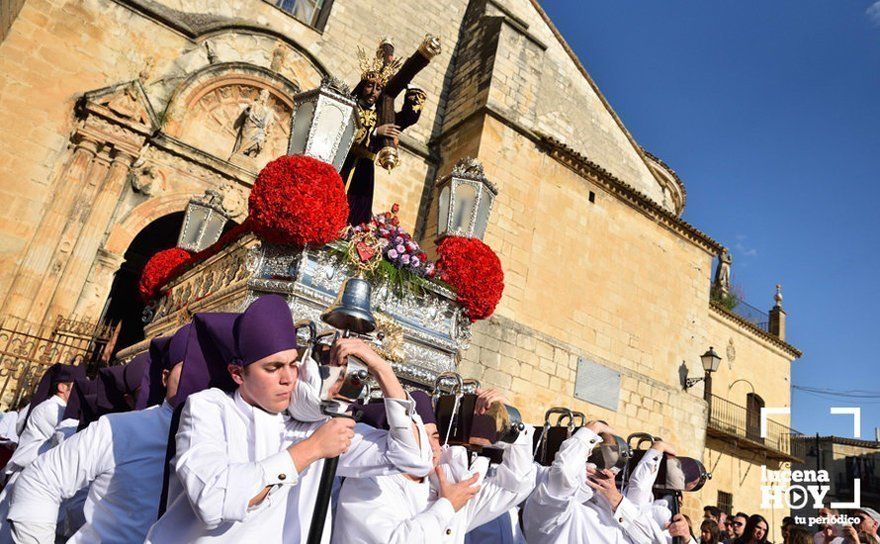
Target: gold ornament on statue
<point x="389" y="338"/>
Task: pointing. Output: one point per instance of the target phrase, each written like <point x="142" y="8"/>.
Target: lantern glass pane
<point x="346" y="140"/>
<point x="327" y="129"/>
<point x="443" y="211"/>
<point x="213" y="229"/>
<point x="192" y="227"/>
<point x="299" y="130"/>
<point x="465" y="200"/>
<point x="483" y="213"/>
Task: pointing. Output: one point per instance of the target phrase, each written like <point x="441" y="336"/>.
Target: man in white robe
<point x="119" y="459"/>
<point x="45" y="413"/>
<point x="405" y="508"/>
<point x="574" y="503"/>
<point x="246" y="471"/>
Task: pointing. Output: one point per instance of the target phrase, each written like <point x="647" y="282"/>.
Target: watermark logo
<point x="796" y="489"/>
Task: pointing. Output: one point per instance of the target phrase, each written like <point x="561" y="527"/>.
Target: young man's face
<point x="268" y="383"/>
<point x="434" y="439"/>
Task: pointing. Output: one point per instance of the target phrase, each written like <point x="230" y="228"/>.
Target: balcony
<point x="742" y="427"/>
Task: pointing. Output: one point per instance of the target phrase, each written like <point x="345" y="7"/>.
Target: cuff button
<point x="448" y="531"/>
<point x="619" y="520"/>
<point x="282" y="476"/>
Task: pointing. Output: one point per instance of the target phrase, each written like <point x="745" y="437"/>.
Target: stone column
<point x="96" y="289"/>
<point x="42" y="246"/>
<point x="777" y="316"/>
<point x="67" y="238"/>
<point x="94" y="229"/>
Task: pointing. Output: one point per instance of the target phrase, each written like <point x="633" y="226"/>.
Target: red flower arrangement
<point x="298" y="200"/>
<point x="474" y="272"/>
<point x="160" y="269"/>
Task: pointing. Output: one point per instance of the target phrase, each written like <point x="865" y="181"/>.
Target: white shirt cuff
<point x="587" y="437"/>
<point x="279" y="469"/>
<point x="626" y="512"/>
<point x="400" y="412"/>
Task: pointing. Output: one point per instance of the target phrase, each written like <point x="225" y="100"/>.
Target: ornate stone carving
<point x="238" y="121"/>
<point x="731" y="353"/>
<point x="233" y="201"/>
<point x="143" y="179"/>
<point x="254" y="124"/>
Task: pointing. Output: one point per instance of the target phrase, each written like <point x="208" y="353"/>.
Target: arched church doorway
<point x="124" y="306"/>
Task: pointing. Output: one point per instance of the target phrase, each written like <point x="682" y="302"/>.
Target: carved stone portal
<point x="234" y="120"/>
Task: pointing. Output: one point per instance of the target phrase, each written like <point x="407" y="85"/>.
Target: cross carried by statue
<point x="383" y="78"/>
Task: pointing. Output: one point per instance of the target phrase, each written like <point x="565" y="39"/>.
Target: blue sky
<point x="770" y="113"/>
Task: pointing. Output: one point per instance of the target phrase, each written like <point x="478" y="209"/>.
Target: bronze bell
<point x="351" y="309"/>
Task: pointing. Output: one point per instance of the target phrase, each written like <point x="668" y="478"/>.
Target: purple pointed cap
<point x="82" y="402"/>
<point x="265" y="328"/>
<point x="210" y="348"/>
<point x="151" y="390"/>
<point x="133" y="372"/>
<point x="55" y="374"/>
<point x="111" y="390"/>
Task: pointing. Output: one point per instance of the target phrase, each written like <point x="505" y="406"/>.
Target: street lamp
<point x="711" y="361"/>
<point x="466" y="198"/>
<point x="203" y="222"/>
<point x="323" y="123"/>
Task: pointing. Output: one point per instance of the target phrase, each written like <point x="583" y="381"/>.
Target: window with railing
<point x="311" y="12"/>
<point x="725" y="502"/>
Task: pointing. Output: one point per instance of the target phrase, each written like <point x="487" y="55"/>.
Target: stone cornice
<point x="626" y="192"/>
<point x="757" y="331"/>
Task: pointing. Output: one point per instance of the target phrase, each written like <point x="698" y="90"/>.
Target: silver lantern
<point x="203" y="221"/>
<point x="323" y="124"/>
<point x="466" y="197"/>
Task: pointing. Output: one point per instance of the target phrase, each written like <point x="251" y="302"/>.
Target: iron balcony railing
<point x="753" y="315"/>
<point x="728" y="420"/>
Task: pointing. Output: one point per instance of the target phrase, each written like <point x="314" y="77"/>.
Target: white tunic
<point x="35" y="438"/>
<point x="32" y="441"/>
<point x="563" y="508"/>
<point x="122" y="456"/>
<point x="8" y="434"/>
<point x="228" y="451"/>
<point x="398" y="510"/>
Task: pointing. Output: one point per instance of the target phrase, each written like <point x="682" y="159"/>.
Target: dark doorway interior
<point x="124" y="305"/>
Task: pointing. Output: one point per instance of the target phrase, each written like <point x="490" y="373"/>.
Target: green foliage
<point x="729" y="300"/>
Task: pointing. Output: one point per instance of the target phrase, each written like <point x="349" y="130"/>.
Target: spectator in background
<point x="739" y="525"/>
<point x="756" y="531"/>
<point x="827" y="531"/>
<point x="799" y="535"/>
<point x="787" y="524"/>
<point x="713" y="513"/>
<point x="710" y="533"/>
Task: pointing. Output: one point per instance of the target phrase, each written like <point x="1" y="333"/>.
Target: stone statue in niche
<point x="722" y="273"/>
<point x="253" y="126"/>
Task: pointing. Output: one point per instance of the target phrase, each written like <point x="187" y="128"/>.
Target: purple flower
<point x="392" y="254"/>
<point x="398" y="240"/>
<point x="415" y="262"/>
<point x="400" y="249"/>
<point x="404" y="258"/>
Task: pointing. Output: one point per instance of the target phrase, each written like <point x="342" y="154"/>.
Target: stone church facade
<point x="116" y="112"/>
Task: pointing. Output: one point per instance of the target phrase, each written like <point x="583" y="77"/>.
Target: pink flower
<point x="415" y="262"/>
<point x="404" y="258"/>
<point x="400" y="248"/>
<point x="392" y="254"/>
